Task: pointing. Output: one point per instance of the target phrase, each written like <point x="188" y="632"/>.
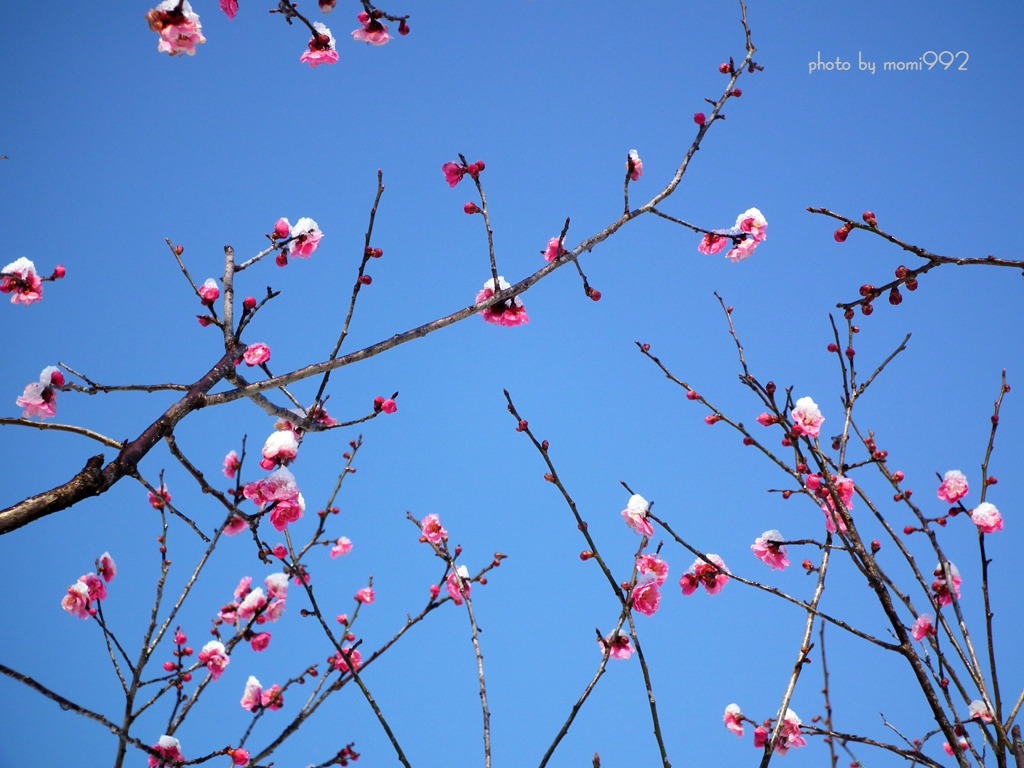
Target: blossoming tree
<point x="261" y="583"/>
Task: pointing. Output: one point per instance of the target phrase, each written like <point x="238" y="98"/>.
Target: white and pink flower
<point x="371" y="31"/>
<point x="733" y="719"/>
<point x="617" y="645"/>
<point x="432" y="530"/>
<point x="321" y="49"/>
<point x="922" y="627"/>
<point x="341" y="547"/>
<point x="807" y="418"/>
<point x="458" y="584"/>
<point x="713" y="576"/>
<point x="215" y="658"/>
<point x="19" y="279"/>
<point x="179" y="28"/>
<point x="634" y="165"/>
<point x="508" y="313"/>
<point x="279" y="449"/>
<point x="635" y="515"/>
<point x="646" y="598"/>
<point x="987" y="518"/>
<point x="953" y="486"/>
<point x="769" y="550"/>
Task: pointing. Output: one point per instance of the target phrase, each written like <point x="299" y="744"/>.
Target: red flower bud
<point x="365" y="279"/>
<point x="869" y="219"/>
<point x="471" y="208"/>
<point x="699" y="118"/>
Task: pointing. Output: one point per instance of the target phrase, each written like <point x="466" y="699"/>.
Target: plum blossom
<point x="256" y="354"/>
<point x="272" y="698"/>
<point x="385" y="404"/>
<point x="634" y="165"/>
<point x="279" y="449"/>
<point x="278" y="488"/>
<point x="807" y="418"/>
<point x="239" y="756"/>
<point x="40" y="397"/>
<point x="635" y="515"/>
<point x="371" y="31"/>
<point x="949" y="750"/>
<point x="260" y="641"/>
<point x="768" y="549"/>
<point x="760" y="737"/>
<point x="341" y="547"/>
<point x="953" y="486"/>
<point x="277" y="586"/>
<point x="77" y="601"/>
<point x="458" y="584"/>
<point x="508" y="313"/>
<point x="322" y="49"/>
<point x="987" y="518"/>
<point x="713" y="576"/>
<point x="106" y="567"/>
<point x="251" y="698"/>
<point x="941" y="589"/>
<point x="554" y="249"/>
<point x="253" y="602"/>
<point x="235" y="526"/>
<point x="214" y="657"/>
<point x="94" y="584"/>
<point x="231" y="465"/>
<point x="733" y="719"/>
<point x="453" y="173"/>
<point x="338" y="659"/>
<point x="712" y="243"/>
<point x="20" y="280"/>
<point x="651" y="567"/>
<point x="432" y="529"/>
<point x="922" y="627"/>
<point x="209" y="292"/>
<point x="230" y="8"/>
<point x="646" y="598"/>
<point x="168" y="747"/>
<point x="789" y="735"/>
<point x="617" y="645"/>
<point x="179" y="28"/>
<point x="752" y="224"/>
<point x="844" y="489"/>
<point x="978" y="711"/>
<point x="307" y="236"/>
<point x="365" y="595"/>
<point x="159" y="499"/>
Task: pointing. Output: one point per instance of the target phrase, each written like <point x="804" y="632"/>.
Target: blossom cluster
<point x="508" y="313"/>
<point x="713" y="576"/>
<point x="253" y="606"/>
<point x="40" y="397"/>
<point x="280" y="493"/>
<point x="745" y="236"/>
<point x="302" y="239"/>
<point x="790" y="736"/>
<point x="90" y="588"/>
<point x="651" y="573"/>
<point x="256" y="697"/>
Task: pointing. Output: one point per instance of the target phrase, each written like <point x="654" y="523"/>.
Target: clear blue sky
<point x="114" y="147"/>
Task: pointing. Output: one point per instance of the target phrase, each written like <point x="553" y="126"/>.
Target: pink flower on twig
<point x="365" y="595"/>
<point x="617" y="645"/>
<point x="321" y="48"/>
<point x="508" y="313"/>
<point x="940" y="587"/>
<point x="256" y="354"/>
<point x="230" y="8"/>
<point x="634" y="165"/>
<point x="280" y="449"/>
<point x="231" y="465"/>
<point x="922" y="627"/>
<point x="214" y="657"/>
<point x="554" y="249"/>
<point x="307" y="238"/>
<point x="807" y="418"/>
<point x="635" y="515"/>
<point x="77" y="601"/>
<point x="987" y="518"/>
<point x="978" y="711"/>
<point x="371" y="31"/>
<point x="458" y="584"/>
<point x="106" y="568"/>
<point x="712" y="243"/>
<point x="209" y="292"/>
<point x="789" y="735"/>
<point x="646" y="598"/>
<point x="733" y="719"/>
<point x="651" y="567"/>
<point x="712" y="576"/>
<point x="432" y="530"/>
<point x="21" y="281"/>
<point x="953" y="486"/>
<point x="251" y="697"/>
<point x="341" y="547"/>
<point x="769" y="550"/>
<point x="169" y="749"/>
<point x="453" y="173"/>
<point x="179" y="28"/>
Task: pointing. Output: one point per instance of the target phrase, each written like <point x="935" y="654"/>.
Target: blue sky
<point x="113" y="147"/>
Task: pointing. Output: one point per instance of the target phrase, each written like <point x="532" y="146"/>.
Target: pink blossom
<point x="279" y="449"/>
<point x="214" y="657"/>
<point x="766" y="420"/>
<point x="76" y="601"/>
<point x="276" y="608"/>
<point x="617" y="645"/>
<point x="160" y="499"/>
<point x="508" y="313"/>
<point x="365" y="595"/>
<point x="742" y="251"/>
<point x="286" y="512"/>
<point x="259" y="642"/>
<point x="239" y="756"/>
<point x="272" y="698"/>
<point x="230" y="8"/>
<point x="39" y="401"/>
<point x="20" y="280"/>
<point x="752" y="224"/>
<point x="282" y="229"/>
<point x="987" y="518"/>
<point x="252" y="696"/>
<point x="844" y="488"/>
<point x="646" y="598"/>
<point x="306" y="233"/>
<point x="453" y="173"/>
<point x="321" y="47"/>
<point x="179" y="29"/>
<point x="922" y="627"/>
<point x="768" y="549"/>
<point x="789" y="735"/>
<point x="652" y="567"/>
<point x="760" y="737"/>
<point x="278" y="488"/>
<point x="254" y="602"/>
<point x="244" y="587"/>
<point x="713" y="576"/>
<point x="949" y="750"/>
<point x="712" y="243"/>
<point x="371" y="31"/>
<point x="341" y="547"/>
<point x="231" y="465"/>
<point x="978" y="711"/>
<point x="635" y="515"/>
<point x="634" y="165"/>
<point x="733" y="719"/>
<point x="807" y="418"/>
<point x="106" y="568"/>
<point x="209" y="292"/>
<point x="458" y="584"/>
<point x="168" y="747"/>
<point x="93" y="583"/>
<point x="389" y="406"/>
<point x="338" y="660"/>
<point x="277" y="585"/>
<point x="941" y="589"/>
<point x="554" y="249"/>
<point x="953" y="486"/>
<point x="432" y="529"/>
<point x="256" y="354"/>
